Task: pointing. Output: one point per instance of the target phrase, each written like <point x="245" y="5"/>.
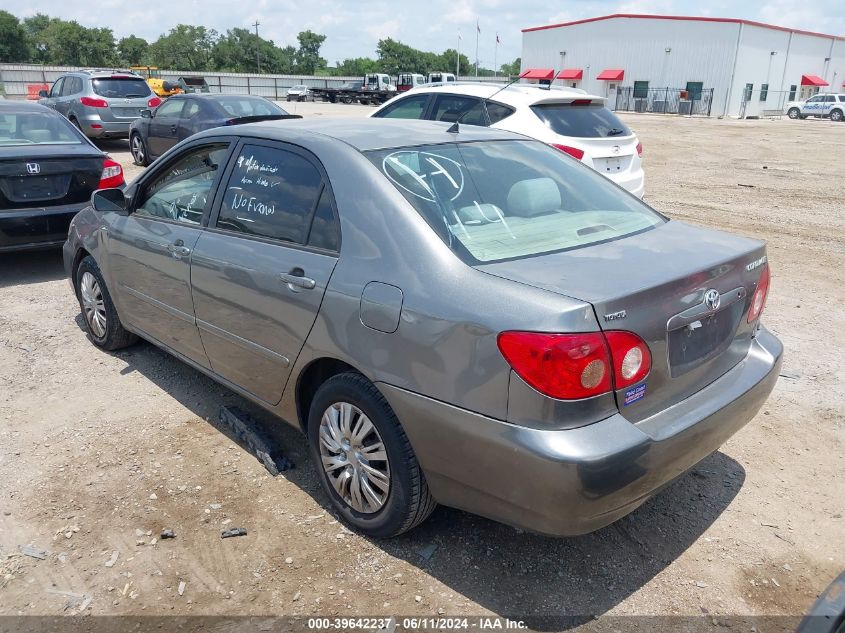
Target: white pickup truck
<point x="822" y="105"/>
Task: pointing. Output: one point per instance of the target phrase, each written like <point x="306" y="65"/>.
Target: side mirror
<point x="109" y="201"/>
<point x="146" y="114"/>
<point x="43" y="94"/>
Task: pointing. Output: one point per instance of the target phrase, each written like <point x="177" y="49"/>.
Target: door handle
<point x="178" y="249"/>
<point x="296" y="279"/>
<point x="173" y="129"/>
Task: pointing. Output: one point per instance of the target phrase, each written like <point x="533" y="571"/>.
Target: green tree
<point x="395" y="57"/>
<point x="14" y="45"/>
<point x="35" y="26"/>
<point x="447" y="62"/>
<point x="308" y="60"/>
<point x="133" y="51"/>
<point x="236" y="52"/>
<point x="512" y="69"/>
<point x="356" y="67"/>
<point x="185" y="47"/>
<point x="71" y="44"/>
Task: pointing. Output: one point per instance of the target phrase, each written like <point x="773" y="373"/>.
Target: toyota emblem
<point x="33" y="168"/>
<point x="712" y="299"/>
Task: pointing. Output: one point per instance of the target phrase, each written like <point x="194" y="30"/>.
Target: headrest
<point x="535" y="196"/>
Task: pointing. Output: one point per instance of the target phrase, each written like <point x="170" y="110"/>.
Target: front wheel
<point x="101" y="321"/>
<point x="793" y="113"/>
<point x="365" y="461"/>
<point x="139" y="150"/>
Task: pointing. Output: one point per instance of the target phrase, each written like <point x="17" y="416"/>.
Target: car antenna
<point x="454" y="129"/>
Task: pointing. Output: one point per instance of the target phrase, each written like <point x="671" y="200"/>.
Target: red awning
<point x="538" y="73"/>
<point x="813" y="80"/>
<point x="611" y="74"/>
<point x="571" y="74"/>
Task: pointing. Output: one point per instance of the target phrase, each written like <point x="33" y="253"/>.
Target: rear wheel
<point x="365" y="461"/>
<point x="139" y="150"/>
<point x="793" y="113"/>
<point x="101" y="320"/>
<point x="836" y="115"/>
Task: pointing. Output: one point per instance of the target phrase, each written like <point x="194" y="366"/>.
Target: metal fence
<point x="765" y="104"/>
<point x="23" y="81"/>
<point x="665" y="100"/>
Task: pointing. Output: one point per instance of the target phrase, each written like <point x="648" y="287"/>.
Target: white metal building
<point x="752" y="68"/>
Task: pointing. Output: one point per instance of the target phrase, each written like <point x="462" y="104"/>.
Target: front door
<point x="164" y="126"/>
<point x="151" y="248"/>
<point x="259" y="272"/>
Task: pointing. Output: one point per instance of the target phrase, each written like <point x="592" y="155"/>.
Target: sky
<point x="354" y="27"/>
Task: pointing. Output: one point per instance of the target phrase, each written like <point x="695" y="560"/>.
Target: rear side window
<point x="580" y="121"/>
<point x="120" y="87"/>
<point x="842" y="98"/>
<point x="451" y="108"/>
<point x="249" y="106"/>
<point x="407" y="108"/>
<point x="271" y="193"/>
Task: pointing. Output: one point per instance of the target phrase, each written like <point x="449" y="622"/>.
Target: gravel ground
<point x="100" y="452"/>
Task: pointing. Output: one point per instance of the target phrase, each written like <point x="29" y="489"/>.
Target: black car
<point x="48" y="171"/>
<point x="184" y="115"/>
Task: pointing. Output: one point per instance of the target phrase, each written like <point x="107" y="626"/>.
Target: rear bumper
<point x="43" y="227"/>
<point x="107" y="129"/>
<point x="576" y="481"/>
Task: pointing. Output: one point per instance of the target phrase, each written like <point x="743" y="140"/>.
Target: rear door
<point x="150" y="249"/>
<point x="260" y="271"/>
<point x="164" y="126"/>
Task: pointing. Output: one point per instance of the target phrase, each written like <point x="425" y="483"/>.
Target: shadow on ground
<point x="31" y="267"/>
<point x="550" y="583"/>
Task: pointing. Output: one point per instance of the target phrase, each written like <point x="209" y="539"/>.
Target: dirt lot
<point x="99" y="452"/>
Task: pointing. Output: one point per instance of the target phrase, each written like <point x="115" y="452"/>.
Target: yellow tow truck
<point x="158" y="85"/>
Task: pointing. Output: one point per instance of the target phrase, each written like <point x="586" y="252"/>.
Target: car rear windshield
<point x="248" y="106"/>
<point x="499" y="200"/>
<point x="36" y="128"/>
<point x="121" y="87"/>
<point x="580" y="121"/>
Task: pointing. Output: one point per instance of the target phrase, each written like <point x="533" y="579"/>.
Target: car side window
<point x="325" y="232"/>
<point x="171" y="107"/>
<point x="56" y="90"/>
<point x="451" y="108"/>
<point x="191" y="109"/>
<point x="497" y="112"/>
<point x="270" y="193"/>
<point x="407" y="108"/>
<point x="183" y="190"/>
<point x="829" y="99"/>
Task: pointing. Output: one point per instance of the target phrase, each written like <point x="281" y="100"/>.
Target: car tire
<point x="793" y="113"/>
<point x="102" y="324"/>
<point x="405" y="501"/>
<point x="138" y="149"/>
<point x="836" y="115"/>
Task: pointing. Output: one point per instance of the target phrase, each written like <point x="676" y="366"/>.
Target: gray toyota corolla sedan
<point x="464" y="317"/>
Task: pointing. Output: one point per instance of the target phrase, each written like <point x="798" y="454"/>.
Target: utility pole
<point x="458" y="66"/>
<point x="477" y="33"/>
<point x="257" y="46"/>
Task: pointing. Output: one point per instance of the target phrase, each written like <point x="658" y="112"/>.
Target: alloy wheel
<point x="93" y="304"/>
<point x="354" y="458"/>
<point x="137" y="149"/>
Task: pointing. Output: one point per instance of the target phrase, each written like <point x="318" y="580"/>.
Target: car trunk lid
<point x="126" y="95"/>
<point x="49" y="176"/>
<point x="654" y="284"/>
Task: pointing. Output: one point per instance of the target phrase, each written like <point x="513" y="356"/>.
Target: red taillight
<point x="575" y="366"/>
<point x="581" y="102"/>
<point x="640" y="149"/>
<point x="112" y="175"/>
<point x="154" y="102"/>
<point x="562" y="366"/>
<point x="572" y="151"/>
<point x="631" y="358"/>
<point x="94" y="103"/>
<point x="758" y="300"/>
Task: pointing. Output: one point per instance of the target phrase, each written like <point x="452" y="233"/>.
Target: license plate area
<point x="126" y="112"/>
<point x="35" y="188"/>
<point x="696" y="343"/>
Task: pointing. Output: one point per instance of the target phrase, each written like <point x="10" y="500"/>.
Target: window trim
<point x="149" y="176"/>
<point x="325" y="186"/>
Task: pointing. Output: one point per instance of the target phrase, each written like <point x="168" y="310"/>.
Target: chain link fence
<point x="665" y="100"/>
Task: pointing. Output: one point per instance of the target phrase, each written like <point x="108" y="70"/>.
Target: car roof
<point x="369" y="134"/>
<point x="514" y="94"/>
<point x="14" y="105"/>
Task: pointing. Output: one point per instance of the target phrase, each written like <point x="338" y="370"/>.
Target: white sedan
<point x="568" y="119"/>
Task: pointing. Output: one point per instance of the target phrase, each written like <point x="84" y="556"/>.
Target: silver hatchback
<point x="463" y="316"/>
<point x="101" y="103"/>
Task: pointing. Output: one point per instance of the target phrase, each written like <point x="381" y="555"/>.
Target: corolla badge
<point x="712" y="299"/>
